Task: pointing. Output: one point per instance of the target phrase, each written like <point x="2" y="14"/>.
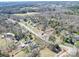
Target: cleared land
<point x="27" y="14"/>
<point x="47" y="52"/>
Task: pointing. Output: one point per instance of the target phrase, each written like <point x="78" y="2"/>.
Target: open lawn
<point x="47" y="53"/>
<point x="3" y="43"/>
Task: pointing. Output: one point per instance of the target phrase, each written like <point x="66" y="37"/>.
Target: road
<point x="38" y="34"/>
<point x="67" y="51"/>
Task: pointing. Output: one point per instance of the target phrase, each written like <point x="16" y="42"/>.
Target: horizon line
<point x="34" y="0"/>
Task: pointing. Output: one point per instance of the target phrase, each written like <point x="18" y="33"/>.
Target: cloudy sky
<point x="35" y="0"/>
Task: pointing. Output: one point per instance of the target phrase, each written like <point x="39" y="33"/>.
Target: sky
<point x="34" y="0"/>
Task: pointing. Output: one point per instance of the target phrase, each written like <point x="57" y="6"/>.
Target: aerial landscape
<point x="39" y="29"/>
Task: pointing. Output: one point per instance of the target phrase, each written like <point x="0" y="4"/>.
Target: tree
<point x="52" y="38"/>
<point x="3" y="54"/>
<point x="25" y="20"/>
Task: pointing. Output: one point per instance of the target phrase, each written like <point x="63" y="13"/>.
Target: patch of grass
<point x="46" y="53"/>
<point x="20" y="54"/>
<point x="27" y="14"/>
<point x="77" y="33"/>
<point x="3" y="43"/>
<point x="25" y="50"/>
<point x="77" y="44"/>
